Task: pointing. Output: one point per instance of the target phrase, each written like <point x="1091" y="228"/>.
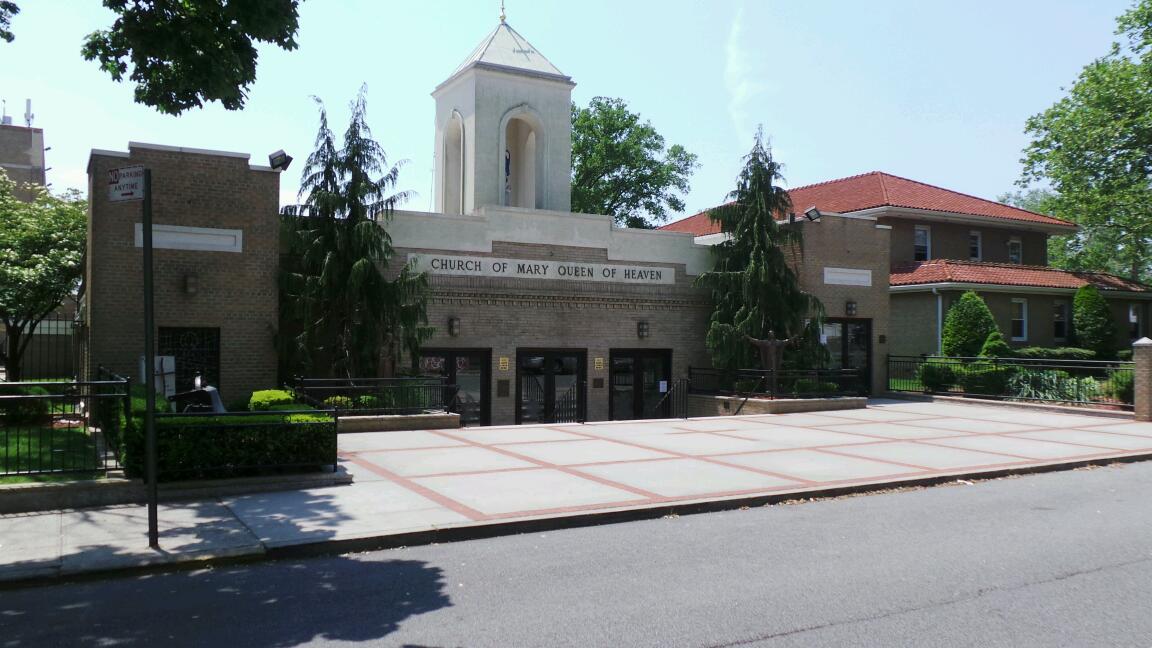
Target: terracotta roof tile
<point x="878" y="189"/>
<point x="1002" y="274"/>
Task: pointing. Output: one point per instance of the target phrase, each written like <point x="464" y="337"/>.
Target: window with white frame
<point x="1060" y="321"/>
<point x="1019" y="320"/>
<point x="975" y="246"/>
<point x="1135" y="330"/>
<point x="922" y="243"/>
<point x="1015" y="250"/>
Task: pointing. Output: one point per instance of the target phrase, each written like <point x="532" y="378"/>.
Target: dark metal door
<point x="641" y="378"/>
<point x="550" y="386"/>
<point x="849" y="343"/>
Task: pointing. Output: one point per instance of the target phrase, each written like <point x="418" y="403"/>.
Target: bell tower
<point x="504" y="129"/>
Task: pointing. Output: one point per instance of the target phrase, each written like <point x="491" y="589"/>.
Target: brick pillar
<point x="1142" y="355"/>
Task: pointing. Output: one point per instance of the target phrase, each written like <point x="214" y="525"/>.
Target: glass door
<point x="641" y="379"/>
<point x="468" y="369"/>
<point x="550" y="386"/>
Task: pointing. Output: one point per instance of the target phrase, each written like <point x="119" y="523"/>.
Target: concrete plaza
<point x="474" y="480"/>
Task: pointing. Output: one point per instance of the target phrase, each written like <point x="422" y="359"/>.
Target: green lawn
<point x="45" y="449"/>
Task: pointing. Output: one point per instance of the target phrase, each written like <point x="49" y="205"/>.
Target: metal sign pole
<point x="149" y="369"/>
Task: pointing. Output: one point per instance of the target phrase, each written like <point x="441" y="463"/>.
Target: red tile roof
<point x="878" y="189"/>
<point x="1002" y="274"/>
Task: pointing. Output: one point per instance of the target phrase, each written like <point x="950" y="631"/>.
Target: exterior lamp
<point x="198" y="381"/>
<point x="812" y="214"/>
<point x="191" y="284"/>
<point x="642" y="329"/>
<point x="279" y="160"/>
<point x="453" y="326"/>
<point x="850" y="308"/>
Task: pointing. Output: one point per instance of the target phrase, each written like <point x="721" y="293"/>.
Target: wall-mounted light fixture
<point x="279" y="160"/>
<point x="812" y="213"/>
<point x="642" y="329"/>
<point x="453" y="326"/>
<point x="850" y="308"/>
<point x="191" y="283"/>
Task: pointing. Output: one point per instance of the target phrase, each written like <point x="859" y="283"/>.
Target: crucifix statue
<point x="771" y="350"/>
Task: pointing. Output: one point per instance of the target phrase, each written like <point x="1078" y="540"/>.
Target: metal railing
<point x="674" y="404"/>
<point x="52" y="427"/>
<point x="376" y="396"/>
<point x="783" y="383"/>
<point x="1094" y="383"/>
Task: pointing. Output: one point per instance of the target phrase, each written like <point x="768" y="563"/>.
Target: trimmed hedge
<point x="1121" y="385"/>
<point x="996" y="347"/>
<point x="810" y="386"/>
<point x="1055" y="353"/>
<point x="263" y="400"/>
<point x="936" y="377"/>
<point x="985" y="379"/>
<point x="1092" y="322"/>
<point x="201" y="447"/>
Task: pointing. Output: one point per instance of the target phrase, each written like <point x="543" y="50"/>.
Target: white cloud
<point x="743" y="78"/>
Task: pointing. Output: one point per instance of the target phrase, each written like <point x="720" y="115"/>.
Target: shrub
<point x="1124" y="354"/>
<point x="967" y="326"/>
<point x="263" y="400"/>
<point x="341" y="402"/>
<point x="1121" y="385"/>
<point x="289" y="407"/>
<point x="996" y="347"/>
<point x="1092" y="322"/>
<point x="1052" y="385"/>
<point x="985" y="379"/>
<point x="810" y="386"/>
<point x="1055" y="353"/>
<point x="936" y="377"/>
<point x="192" y="447"/>
<point x="25" y="410"/>
<point x="369" y="402"/>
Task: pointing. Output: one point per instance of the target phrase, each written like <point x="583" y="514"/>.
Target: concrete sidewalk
<point x="422" y="486"/>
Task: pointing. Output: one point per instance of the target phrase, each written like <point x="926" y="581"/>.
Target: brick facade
<point x="234" y="292"/>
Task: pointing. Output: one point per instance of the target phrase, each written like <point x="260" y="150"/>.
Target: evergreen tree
<point x="966" y="327"/>
<point x="1092" y="322"/>
<point x="754" y="287"/>
<point x="336" y="294"/>
<point x="995" y="346"/>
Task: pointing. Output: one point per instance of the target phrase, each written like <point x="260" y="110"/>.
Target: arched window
<point x="454" y="165"/>
<point x="520" y="162"/>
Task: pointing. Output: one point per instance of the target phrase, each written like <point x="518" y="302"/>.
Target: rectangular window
<point x="975" y="246"/>
<point x="1019" y="320"/>
<point x="1060" y="321"/>
<point x="922" y="243"/>
<point x="1134" y="324"/>
<point x="1015" y="250"/>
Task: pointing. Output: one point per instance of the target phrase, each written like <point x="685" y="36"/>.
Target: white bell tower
<point x="504" y="129"/>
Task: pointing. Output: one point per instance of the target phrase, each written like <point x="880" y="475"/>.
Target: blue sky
<point x="934" y="91"/>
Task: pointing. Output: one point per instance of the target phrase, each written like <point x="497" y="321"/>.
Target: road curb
<point x="377" y="542"/>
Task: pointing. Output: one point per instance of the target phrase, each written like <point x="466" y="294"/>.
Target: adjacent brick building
<point x="216" y="239"/>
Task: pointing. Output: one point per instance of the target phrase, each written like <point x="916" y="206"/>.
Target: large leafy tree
<point x="753" y="283"/>
<point x="183" y="53"/>
<point x="620" y="166"/>
<point x="1089" y="248"/>
<point x="353" y="309"/>
<point x="41" y="261"/>
<point x="1094" y="148"/>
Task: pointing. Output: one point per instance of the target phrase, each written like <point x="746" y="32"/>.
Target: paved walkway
<point x="443" y="479"/>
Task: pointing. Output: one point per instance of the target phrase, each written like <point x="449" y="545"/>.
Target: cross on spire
<point x="503" y="16"/>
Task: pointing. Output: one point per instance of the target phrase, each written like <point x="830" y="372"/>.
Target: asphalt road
<point x="1063" y="559"/>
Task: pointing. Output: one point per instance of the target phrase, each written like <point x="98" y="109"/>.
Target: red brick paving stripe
<point x="887" y="461"/>
<point x="423" y="491"/>
<point x="705" y="458"/>
<point x="353" y="453"/>
<point x="544" y="464"/>
<point x="1081" y="445"/>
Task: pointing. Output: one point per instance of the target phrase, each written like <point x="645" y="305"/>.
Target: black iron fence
<point x="374" y="396"/>
<point x="1072" y="382"/>
<point x="674" y="403"/>
<point x="783" y="383"/>
<point x="50" y="351"/>
<point x="56" y="427"/>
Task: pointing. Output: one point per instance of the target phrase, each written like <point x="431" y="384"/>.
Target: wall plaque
<point x="503" y="363"/>
<point x="847" y="277"/>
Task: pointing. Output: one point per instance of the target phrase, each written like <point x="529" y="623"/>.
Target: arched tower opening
<point x="453" y="199"/>
<point x="521" y="162"/>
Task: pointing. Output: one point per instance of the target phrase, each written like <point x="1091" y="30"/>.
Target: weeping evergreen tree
<point x="347" y="309"/>
<point x="754" y="287"/>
